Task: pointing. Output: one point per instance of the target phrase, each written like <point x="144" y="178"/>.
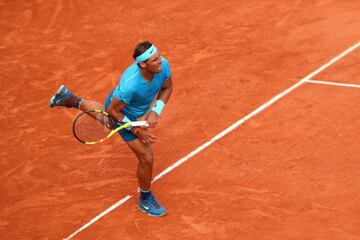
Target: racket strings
<point x="93" y="126"/>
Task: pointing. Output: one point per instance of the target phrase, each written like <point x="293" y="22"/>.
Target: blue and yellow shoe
<point x="64" y="98"/>
<point x="152" y="207"/>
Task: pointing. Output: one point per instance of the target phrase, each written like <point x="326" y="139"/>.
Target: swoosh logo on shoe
<point x="147" y="208"/>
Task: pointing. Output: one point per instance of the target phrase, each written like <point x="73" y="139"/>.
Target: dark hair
<point x="141" y="48"/>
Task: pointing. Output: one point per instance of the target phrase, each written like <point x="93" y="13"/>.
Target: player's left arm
<point x="166" y="91"/>
<point x="162" y="98"/>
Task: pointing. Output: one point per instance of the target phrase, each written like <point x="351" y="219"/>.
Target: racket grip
<point x="139" y="124"/>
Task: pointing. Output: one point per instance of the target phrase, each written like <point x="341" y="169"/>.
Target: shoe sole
<point x="52" y="99"/>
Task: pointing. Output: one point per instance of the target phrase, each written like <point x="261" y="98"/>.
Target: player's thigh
<point x="142" y="150"/>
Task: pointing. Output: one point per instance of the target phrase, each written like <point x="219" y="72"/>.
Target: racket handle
<point x="139" y="124"/>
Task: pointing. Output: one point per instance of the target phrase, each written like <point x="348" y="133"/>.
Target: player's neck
<point x="147" y="75"/>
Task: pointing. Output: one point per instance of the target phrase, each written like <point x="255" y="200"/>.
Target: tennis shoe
<point x="64" y="98"/>
<point x="152" y="207"/>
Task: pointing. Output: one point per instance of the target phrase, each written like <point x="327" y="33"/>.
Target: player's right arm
<point x="115" y="109"/>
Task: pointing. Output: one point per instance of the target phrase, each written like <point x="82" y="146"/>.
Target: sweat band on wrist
<point x="147" y="54"/>
<point x="158" y="107"/>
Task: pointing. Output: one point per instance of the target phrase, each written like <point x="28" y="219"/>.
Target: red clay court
<point x="260" y="139"/>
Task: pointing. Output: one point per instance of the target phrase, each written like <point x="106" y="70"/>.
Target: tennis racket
<point x="95" y="126"/>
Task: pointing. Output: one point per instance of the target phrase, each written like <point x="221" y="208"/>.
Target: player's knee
<point x="146" y="158"/>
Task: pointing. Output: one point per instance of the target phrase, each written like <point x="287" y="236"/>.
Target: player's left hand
<point x="152" y="119"/>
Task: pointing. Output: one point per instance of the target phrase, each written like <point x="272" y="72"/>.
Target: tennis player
<point x="147" y="79"/>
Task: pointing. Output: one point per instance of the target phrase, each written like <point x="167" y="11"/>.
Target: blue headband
<point x="147" y="54"/>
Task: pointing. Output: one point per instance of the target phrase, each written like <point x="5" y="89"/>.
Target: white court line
<point x="120" y="202"/>
<point x="224" y="132"/>
<point x="334" y="83"/>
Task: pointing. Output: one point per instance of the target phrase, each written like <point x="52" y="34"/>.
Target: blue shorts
<point x="125" y="134"/>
